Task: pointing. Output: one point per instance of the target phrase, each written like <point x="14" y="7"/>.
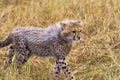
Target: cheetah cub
<point x="55" y="41"/>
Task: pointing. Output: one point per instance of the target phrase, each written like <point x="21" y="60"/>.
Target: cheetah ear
<point x="81" y="22"/>
<point x="63" y="25"/>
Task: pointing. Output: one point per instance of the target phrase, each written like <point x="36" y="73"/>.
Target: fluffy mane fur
<point x="54" y="30"/>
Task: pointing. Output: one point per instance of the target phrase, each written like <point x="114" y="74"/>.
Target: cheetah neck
<point x="52" y="31"/>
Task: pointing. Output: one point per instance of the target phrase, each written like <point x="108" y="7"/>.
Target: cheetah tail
<point x="6" y="41"/>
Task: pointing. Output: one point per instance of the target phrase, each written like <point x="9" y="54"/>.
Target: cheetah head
<point x="71" y="30"/>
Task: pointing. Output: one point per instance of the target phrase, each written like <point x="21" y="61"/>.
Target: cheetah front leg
<point x="63" y="65"/>
<point x="57" y="68"/>
<point x="10" y="54"/>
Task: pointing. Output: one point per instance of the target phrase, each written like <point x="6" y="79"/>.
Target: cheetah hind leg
<point x="22" y="58"/>
<point x="23" y="53"/>
<point x="9" y="58"/>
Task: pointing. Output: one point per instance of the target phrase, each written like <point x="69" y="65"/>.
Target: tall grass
<point x="96" y="57"/>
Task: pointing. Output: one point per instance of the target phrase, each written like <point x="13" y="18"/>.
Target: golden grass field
<point x="96" y="57"/>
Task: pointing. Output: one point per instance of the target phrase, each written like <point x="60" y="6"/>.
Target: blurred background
<point x="96" y="57"/>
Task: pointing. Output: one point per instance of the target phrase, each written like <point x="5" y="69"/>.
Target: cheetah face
<point x="71" y="30"/>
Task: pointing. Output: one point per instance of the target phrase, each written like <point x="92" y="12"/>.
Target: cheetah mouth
<point x="76" y="38"/>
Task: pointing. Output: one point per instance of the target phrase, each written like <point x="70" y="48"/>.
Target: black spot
<point x="79" y="38"/>
<point x="11" y="47"/>
<point x="68" y="72"/>
<point x="56" y="72"/>
<point x="64" y="67"/>
<point x="23" y="61"/>
<point x="63" y="58"/>
<point x="71" y="77"/>
<point x="58" y="68"/>
<point x="56" y="62"/>
<point x="61" y="62"/>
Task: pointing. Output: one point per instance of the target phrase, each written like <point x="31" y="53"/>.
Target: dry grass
<point x="97" y="57"/>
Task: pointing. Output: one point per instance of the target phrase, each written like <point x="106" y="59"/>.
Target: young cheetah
<point x="55" y="40"/>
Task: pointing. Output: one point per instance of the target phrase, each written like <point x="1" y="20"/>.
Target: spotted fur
<point x="55" y="41"/>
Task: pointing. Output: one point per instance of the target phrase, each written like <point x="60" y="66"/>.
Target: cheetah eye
<point x="74" y="31"/>
<point x="80" y="31"/>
